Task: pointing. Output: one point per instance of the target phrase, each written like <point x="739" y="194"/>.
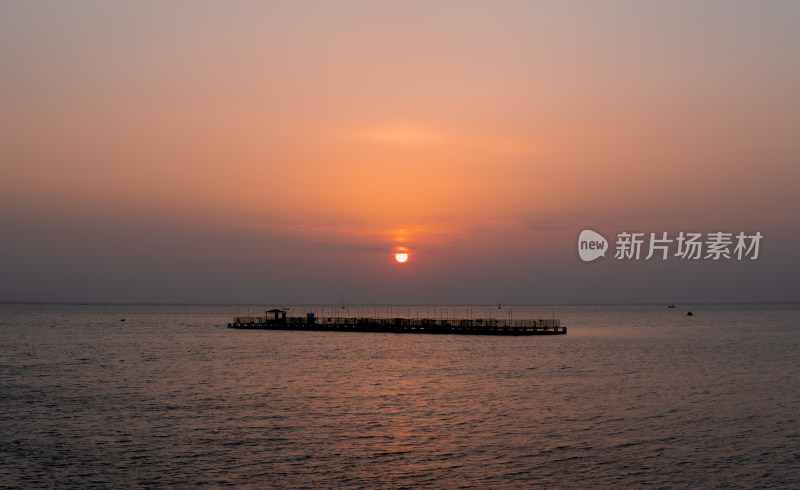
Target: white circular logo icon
<point x="591" y="245"/>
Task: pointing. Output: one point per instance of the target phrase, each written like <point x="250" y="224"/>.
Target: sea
<point x="632" y="396"/>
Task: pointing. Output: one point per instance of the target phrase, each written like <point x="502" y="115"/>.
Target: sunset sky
<point x="281" y="152"/>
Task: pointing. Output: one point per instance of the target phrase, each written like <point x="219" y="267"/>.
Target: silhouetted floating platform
<point x="277" y="320"/>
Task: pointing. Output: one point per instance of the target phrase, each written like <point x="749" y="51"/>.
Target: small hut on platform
<point x="276" y="316"/>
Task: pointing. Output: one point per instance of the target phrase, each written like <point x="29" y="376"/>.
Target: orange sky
<point x="156" y="152"/>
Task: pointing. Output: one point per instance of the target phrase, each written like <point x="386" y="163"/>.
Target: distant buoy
<point x="689" y="314"/>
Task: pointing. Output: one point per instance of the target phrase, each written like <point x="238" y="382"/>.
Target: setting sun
<point x="401" y="254"/>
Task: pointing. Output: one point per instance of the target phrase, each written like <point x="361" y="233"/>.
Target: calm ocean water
<point x="632" y="396"/>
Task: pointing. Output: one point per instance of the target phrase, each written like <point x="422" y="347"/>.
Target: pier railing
<point x="476" y="322"/>
<point x="418" y="325"/>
